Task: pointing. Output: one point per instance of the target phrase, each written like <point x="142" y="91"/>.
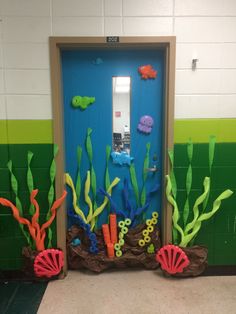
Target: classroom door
<point x="93" y="73"/>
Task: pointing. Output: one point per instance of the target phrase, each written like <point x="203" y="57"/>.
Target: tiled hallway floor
<point x="138" y="292"/>
<point x="21" y="297"/>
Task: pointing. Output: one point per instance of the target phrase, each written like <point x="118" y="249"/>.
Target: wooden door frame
<point x="168" y="43"/>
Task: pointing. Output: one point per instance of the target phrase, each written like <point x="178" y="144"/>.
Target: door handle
<point x="152" y="169"/>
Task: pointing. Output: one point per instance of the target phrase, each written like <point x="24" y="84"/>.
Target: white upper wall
<point x="205" y="29"/>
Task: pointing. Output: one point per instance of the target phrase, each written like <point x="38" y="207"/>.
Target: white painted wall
<point x="206" y="28"/>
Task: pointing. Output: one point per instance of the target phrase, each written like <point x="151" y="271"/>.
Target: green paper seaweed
<point x="30" y="180"/>
<point x="14" y="186"/>
<point x="92" y="171"/>
<point x="134" y="183"/>
<point x="78" y="181"/>
<point x="212" y="144"/>
<point x="145" y="174"/>
<point x="188" y="182"/>
<point x="190" y="229"/>
<point x="51" y="192"/>
<point x="82" y="102"/>
<point x="107" y="176"/>
<point x="172" y="174"/>
<point x="33" y="192"/>
<point x="211" y="153"/>
<point x="174" y="190"/>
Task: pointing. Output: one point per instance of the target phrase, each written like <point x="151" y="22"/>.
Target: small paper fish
<point x="82" y="102"/>
<point x="98" y="61"/>
<point x="147" y="72"/>
<point x="121" y="158"/>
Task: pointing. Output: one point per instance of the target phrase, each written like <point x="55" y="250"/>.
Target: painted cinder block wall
<point x="205" y="29"/>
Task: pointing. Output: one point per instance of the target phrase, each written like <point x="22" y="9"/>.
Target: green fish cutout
<point x="82" y="102"/>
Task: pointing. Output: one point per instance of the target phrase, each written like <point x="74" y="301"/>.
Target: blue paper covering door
<point x="89" y="73"/>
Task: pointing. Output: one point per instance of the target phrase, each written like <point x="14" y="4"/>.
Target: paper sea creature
<point x="121" y="158"/>
<point x="145" y="124"/>
<point x="82" y="102"/>
<point x="147" y="72"/>
<point x="98" y="61"/>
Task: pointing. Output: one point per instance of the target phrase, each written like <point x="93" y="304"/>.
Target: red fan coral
<point x="172" y="259"/>
<point x="48" y="263"/>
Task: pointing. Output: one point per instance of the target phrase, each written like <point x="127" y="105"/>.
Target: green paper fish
<point x="82" y="102"/>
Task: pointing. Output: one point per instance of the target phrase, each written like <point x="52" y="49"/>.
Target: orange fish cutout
<point x="147" y="72"/>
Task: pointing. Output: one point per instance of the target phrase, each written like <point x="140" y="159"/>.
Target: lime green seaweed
<point x="51" y="193"/>
<point x="89" y="148"/>
<point x="189" y="230"/>
<point x="211" y="153"/>
<point x="107" y="176"/>
<point x="188" y="182"/>
<point x="14" y="186"/>
<point x="145" y="174"/>
<point x="174" y="189"/>
<point x="93" y="212"/>
<point x="30" y="180"/>
<point x="78" y="181"/>
<point x="134" y="183"/>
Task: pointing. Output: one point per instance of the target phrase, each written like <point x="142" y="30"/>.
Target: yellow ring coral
<point x="154" y="221"/>
<point x="148" y="222"/>
<point x="118" y="253"/>
<point x="121" y="235"/>
<point x="141" y="242"/>
<point x="145" y="232"/>
<point x="147" y="239"/>
<point x="149" y="229"/>
<point x="121" y="242"/>
<point x="124" y="230"/>
<point x="121" y="224"/>
<point x="128" y="222"/>
<point x="155" y="215"/>
<point x="117" y="246"/>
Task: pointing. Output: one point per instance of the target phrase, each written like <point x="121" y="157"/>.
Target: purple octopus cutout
<point x="145" y="124"/>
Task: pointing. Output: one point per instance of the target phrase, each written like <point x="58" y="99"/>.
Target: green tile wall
<point x="11" y="238"/>
<point x="219" y="233"/>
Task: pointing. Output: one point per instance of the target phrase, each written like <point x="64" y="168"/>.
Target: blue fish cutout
<point x="98" y="61"/>
<point x="122" y="158"/>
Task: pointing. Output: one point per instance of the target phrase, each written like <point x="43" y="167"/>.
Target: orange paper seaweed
<point x="38" y="234"/>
